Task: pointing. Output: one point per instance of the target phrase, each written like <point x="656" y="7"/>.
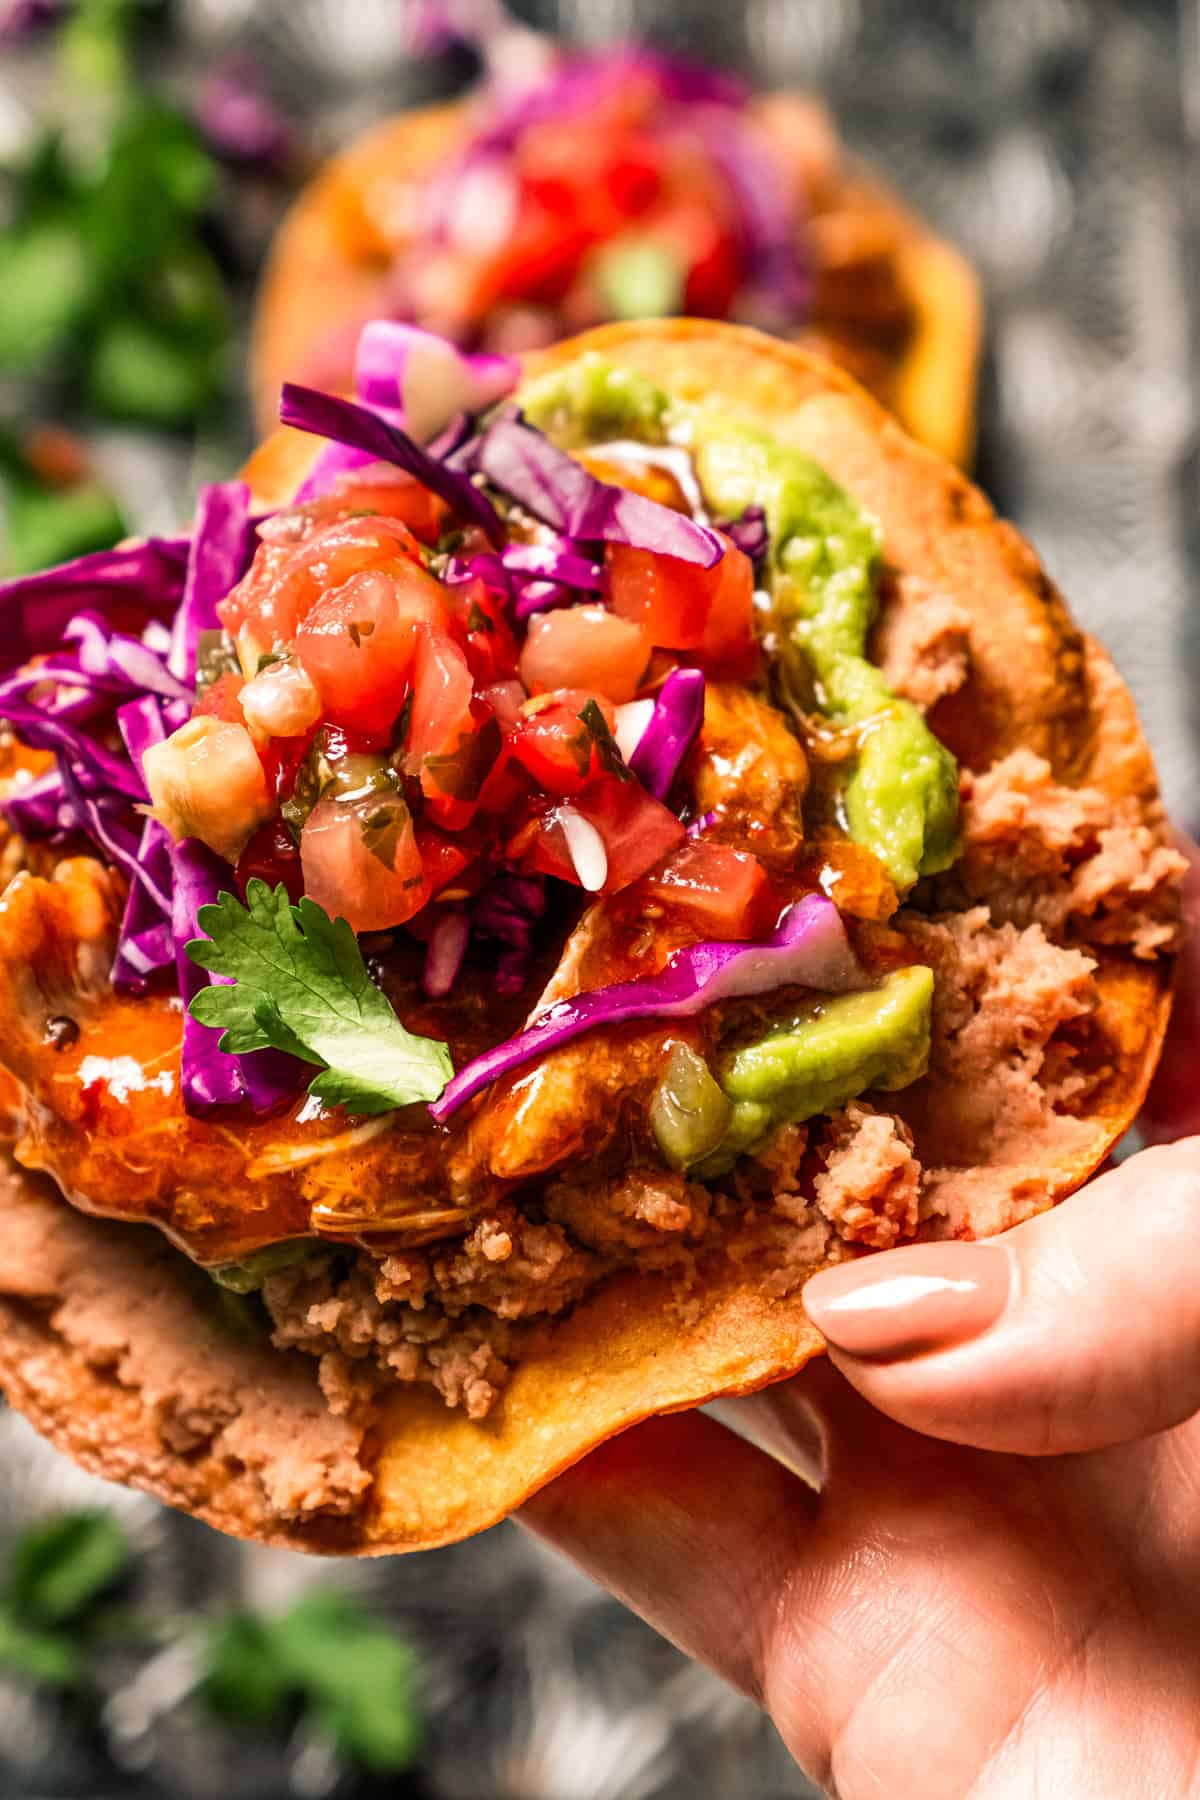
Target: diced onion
<point x="282" y="701"/>
<point x="587" y="849"/>
<point x="631" y="722"/>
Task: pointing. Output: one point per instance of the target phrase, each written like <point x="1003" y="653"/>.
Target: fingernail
<point x="924" y="1297"/>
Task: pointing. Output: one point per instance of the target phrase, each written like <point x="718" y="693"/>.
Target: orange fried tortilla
<point x="872" y="257"/>
<point x="1050" y="942"/>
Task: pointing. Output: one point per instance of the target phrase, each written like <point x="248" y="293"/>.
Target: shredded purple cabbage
<point x="121" y="664"/>
<point x="522" y="463"/>
<point x="776" y="272"/>
<point x="144" y="942"/>
<point x="424" y="379"/>
<point x="554" y="562"/>
<point x="222" y="545"/>
<point x="750" y="534"/>
<point x="141" y="581"/>
<point x="809" y="948"/>
<point x="209" y="1077"/>
<point x="673" y="729"/>
<point x="307" y="409"/>
<point x="509" y="910"/>
<point x="35" y="810"/>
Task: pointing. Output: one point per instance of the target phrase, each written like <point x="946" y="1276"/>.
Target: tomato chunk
<point x="584" y="647"/>
<point x="454" y="738"/>
<point x="380" y="488"/>
<point x="292" y="569"/>
<point x="724" y="892"/>
<point x="271" y="856"/>
<point x="361" y="862"/>
<point x="220" y="700"/>
<point x="681" y="606"/>
<point x="490" y="647"/>
<point x="444" y="858"/>
<point x="555" y="742"/>
<point x="635" y="829"/>
<point x="358" y="641"/>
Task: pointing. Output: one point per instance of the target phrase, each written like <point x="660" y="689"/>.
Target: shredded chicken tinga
<point x="510" y="900"/>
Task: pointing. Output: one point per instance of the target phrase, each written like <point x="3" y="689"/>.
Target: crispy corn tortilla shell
<point x="626" y="1352"/>
<point x="623" y="1355"/>
<point x="325" y="268"/>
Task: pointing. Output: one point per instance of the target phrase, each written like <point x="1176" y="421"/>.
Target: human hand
<point x="994" y="1591"/>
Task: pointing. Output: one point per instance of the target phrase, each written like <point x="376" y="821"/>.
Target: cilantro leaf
<point x="50" y="1658"/>
<point x="354" y="1674"/>
<point x="58" y="1569"/>
<point x="299" y="984"/>
<point x="58" y="1574"/>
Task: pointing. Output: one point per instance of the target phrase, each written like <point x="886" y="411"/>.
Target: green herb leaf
<point x="59" y="1569"/>
<point x="605" y="744"/>
<point x="48" y="1657"/>
<point x="356" y="1676"/>
<point x="363" y="1693"/>
<point x="300" y="985"/>
<point x="246" y="1681"/>
<point x="44" y="526"/>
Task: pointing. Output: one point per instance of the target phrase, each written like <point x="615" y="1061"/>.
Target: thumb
<point x="1077" y="1330"/>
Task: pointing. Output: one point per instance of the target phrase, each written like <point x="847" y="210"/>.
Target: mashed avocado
<point x="901" y="798"/>
<point x="825" y="1054"/>
<point x="836" y="1048"/>
<point x="591" y="400"/>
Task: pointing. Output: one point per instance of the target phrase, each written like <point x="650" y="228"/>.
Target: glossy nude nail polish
<point x="921" y="1298"/>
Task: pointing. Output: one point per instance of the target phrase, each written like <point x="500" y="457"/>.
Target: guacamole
<point x="901" y="795"/>
<point x="900" y="798"/>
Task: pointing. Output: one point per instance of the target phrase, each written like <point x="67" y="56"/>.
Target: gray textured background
<point x="1050" y="139"/>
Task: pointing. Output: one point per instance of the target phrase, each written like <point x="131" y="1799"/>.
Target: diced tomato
<point x="361" y="861"/>
<point x="634" y="176"/>
<point x="670" y="599"/>
<point x="358" y="641"/>
<point x="382" y="489"/>
<point x="288" y="576"/>
<point x="271" y="856"/>
<point x="637" y="832"/>
<point x="584" y="647"/>
<point x="507" y="782"/>
<point x="554" y="742"/>
<point x="637" y="829"/>
<point x="730" y="647"/>
<point x="220" y="700"/>
<point x="537" y="263"/>
<point x="453" y="738"/>
<point x="490" y="647"/>
<point x="443" y="858"/>
<point x="281" y="759"/>
<point x="681" y="606"/>
<point x="506" y="698"/>
<point x="442" y="694"/>
<point x="722" y="891"/>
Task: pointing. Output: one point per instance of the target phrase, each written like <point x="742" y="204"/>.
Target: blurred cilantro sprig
<point x="326" y="1659"/>
<point x="51" y="505"/>
<point x="352" y="1676"/>
<point x="53" y="1602"/>
<point x="108" y="290"/>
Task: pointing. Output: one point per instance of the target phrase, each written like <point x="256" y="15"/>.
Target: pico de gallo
<point x="373" y="729"/>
